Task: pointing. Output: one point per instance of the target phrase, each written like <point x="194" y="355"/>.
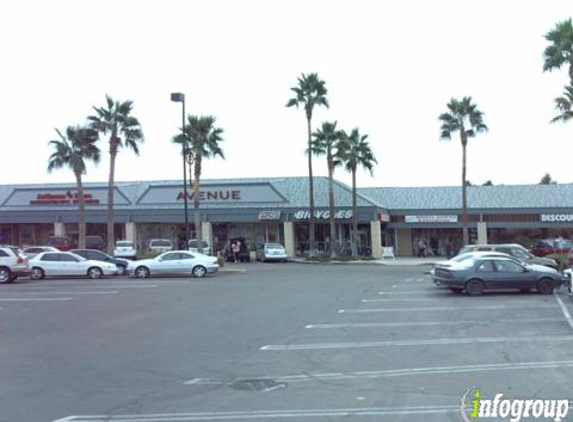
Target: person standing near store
<point x="236" y="248"/>
<point x="421" y="249"/>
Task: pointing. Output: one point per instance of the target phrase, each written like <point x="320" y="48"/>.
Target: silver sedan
<point x="175" y="263"/>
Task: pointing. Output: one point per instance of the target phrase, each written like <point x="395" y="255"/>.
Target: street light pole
<point x="180" y="98"/>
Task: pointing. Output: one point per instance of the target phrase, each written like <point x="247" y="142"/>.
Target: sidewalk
<point x="399" y="261"/>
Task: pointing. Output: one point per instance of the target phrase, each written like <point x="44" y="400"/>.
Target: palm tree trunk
<point x="311" y="245"/>
<point x="331" y="203"/>
<point x="110" y="191"/>
<point x="465" y="234"/>
<point x="196" y="216"/>
<point x="81" y="211"/>
<point x="354" y="236"/>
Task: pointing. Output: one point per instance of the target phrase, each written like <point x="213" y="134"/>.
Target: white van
<point x="194" y="246"/>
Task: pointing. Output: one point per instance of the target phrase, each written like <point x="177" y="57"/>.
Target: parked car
<point x="194" y="246"/>
<point x="175" y="263"/>
<point x="470" y="255"/>
<point x="552" y="246"/>
<point x="13" y="264"/>
<point x="62" y="243"/>
<point x="50" y="264"/>
<point x="487" y="273"/>
<point x="160" y="245"/>
<point x="242" y="256"/>
<point x="32" y="251"/>
<point x="125" y="249"/>
<point x="95" y="242"/>
<point x="95" y="255"/>
<point x="514" y="249"/>
<point x="272" y="252"/>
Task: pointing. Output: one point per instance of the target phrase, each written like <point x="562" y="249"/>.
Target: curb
<point x="233" y="270"/>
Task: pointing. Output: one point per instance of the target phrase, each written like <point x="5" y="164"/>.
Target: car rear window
<point x="124" y="244"/>
<point x="195" y="244"/>
<point x="160" y="243"/>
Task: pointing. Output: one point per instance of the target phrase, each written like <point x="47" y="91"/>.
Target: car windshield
<point x="195" y="244"/>
<point x="79" y="257"/>
<point x="124" y="244"/>
<point x="160" y="243"/>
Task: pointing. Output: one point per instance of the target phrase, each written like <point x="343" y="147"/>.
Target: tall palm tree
<point x="326" y="141"/>
<point x="124" y="131"/>
<point x="565" y="105"/>
<point x="310" y="92"/>
<point x="355" y="152"/>
<point x="73" y="150"/>
<point x="560" y="51"/>
<point x="465" y="118"/>
<point x="202" y="138"/>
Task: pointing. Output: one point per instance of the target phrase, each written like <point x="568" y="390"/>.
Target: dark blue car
<point x="96" y="255"/>
<point x="497" y="273"/>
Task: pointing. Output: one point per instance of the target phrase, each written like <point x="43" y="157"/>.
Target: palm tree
<point x="465" y="118"/>
<point x="560" y="51"/>
<point x="326" y="141"/>
<point x="73" y="150"/>
<point x="565" y="105"/>
<point x="355" y="151"/>
<point x="310" y="92"/>
<point x="124" y="131"/>
<point x="202" y="139"/>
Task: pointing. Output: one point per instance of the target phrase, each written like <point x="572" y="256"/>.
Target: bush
<point x="560" y="258"/>
<point x="220" y="261"/>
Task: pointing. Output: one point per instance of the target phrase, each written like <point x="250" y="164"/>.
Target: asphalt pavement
<point x="276" y="342"/>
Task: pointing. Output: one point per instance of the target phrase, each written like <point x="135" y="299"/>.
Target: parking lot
<point x="278" y="342"/>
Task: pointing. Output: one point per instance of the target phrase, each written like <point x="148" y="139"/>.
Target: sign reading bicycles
<point x="323" y="215"/>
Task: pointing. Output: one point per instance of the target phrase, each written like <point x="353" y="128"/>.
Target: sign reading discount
<point x="556" y="218"/>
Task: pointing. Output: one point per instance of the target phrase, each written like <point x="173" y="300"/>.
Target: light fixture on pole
<point x="178" y="97"/>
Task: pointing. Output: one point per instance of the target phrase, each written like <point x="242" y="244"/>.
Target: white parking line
<point x="445" y="308"/>
<point x="266" y="414"/>
<point x="565" y="311"/>
<point x="421" y="299"/>
<point x="56" y="292"/>
<point x="395" y="372"/>
<point x="34" y="299"/>
<point x="430" y="342"/>
<point x="472" y="323"/>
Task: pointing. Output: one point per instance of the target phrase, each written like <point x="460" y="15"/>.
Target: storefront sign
<point x="213" y="195"/>
<point x="230" y="194"/>
<point x="557" y="218"/>
<point x="323" y="215"/>
<point x="385" y="218"/>
<point x="60" y="197"/>
<point x="269" y="215"/>
<point x="431" y="218"/>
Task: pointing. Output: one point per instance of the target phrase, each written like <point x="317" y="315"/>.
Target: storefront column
<point x="289" y="238"/>
<point x="482" y="233"/>
<point x="207" y="233"/>
<point x="376" y="238"/>
<point x="404" y="242"/>
<point x="59" y="229"/>
<point x="131" y="232"/>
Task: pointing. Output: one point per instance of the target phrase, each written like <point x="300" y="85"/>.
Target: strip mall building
<point x="276" y="210"/>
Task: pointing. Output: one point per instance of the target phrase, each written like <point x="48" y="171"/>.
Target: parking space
<point x="283" y="342"/>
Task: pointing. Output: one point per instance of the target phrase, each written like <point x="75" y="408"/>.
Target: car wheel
<point x="141" y="272"/>
<point x="199" y="271"/>
<point x="5" y="275"/>
<point x="456" y="290"/>
<point x="545" y="286"/>
<point x="37" y="273"/>
<point x="474" y="287"/>
<point x="120" y="269"/>
<point x="95" y="272"/>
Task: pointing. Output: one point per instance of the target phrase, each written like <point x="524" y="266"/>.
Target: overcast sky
<point x="390" y="69"/>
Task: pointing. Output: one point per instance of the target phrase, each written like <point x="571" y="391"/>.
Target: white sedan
<point x="53" y="264"/>
<point x="125" y="249"/>
<point x="175" y="263"/>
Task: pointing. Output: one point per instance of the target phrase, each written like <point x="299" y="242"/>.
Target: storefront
<point x="276" y="210"/>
